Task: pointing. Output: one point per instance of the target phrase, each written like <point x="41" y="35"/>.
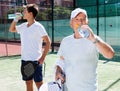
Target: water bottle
<point x="18" y="16"/>
<point x="84" y="33"/>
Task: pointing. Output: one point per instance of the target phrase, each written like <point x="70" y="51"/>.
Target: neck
<point x="30" y="22"/>
<point x="77" y="35"/>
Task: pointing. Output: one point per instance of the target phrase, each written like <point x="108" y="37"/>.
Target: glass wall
<point x="54" y="15"/>
<point x="104" y="17"/>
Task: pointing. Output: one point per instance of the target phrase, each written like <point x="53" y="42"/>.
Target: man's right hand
<point x="18" y="16"/>
<point x="61" y="76"/>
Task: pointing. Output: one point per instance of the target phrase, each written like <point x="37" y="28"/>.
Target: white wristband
<point x="17" y="17"/>
<point x="15" y="20"/>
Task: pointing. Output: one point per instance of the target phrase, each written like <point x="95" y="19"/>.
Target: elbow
<point x="49" y="44"/>
<point x="11" y="30"/>
<point x="110" y="55"/>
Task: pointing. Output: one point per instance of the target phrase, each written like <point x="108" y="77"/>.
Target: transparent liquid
<point x="84" y="33"/>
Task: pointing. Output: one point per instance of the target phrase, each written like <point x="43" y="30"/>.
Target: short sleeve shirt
<point x="81" y="57"/>
<point x="31" y="40"/>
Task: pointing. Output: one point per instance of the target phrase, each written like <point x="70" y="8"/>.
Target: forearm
<point x="58" y="70"/>
<point x="59" y="74"/>
<point x="12" y="26"/>
<point x="46" y="49"/>
<point x="105" y="49"/>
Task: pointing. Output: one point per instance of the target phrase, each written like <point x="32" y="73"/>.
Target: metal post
<point x="52" y="25"/>
<point x="14" y="12"/>
<point x="97" y="1"/>
<point x="74" y="4"/>
<point x="105" y="1"/>
<point x="25" y="2"/>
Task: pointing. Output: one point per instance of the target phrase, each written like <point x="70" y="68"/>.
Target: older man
<point x="79" y="55"/>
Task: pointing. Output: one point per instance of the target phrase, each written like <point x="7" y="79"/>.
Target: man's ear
<point x="87" y="22"/>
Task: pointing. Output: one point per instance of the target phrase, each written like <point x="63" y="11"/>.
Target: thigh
<point x="24" y="76"/>
<point x="28" y="70"/>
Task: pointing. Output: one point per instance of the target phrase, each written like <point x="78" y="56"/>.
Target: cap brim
<point x="75" y="12"/>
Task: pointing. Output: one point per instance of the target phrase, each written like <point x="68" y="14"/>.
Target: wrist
<point x="96" y="40"/>
<point x="18" y="16"/>
<point x="15" y="20"/>
<point x="58" y="72"/>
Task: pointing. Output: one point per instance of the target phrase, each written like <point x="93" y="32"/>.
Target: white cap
<point x="77" y="11"/>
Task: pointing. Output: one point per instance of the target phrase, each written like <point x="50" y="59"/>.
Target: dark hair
<point x="33" y="8"/>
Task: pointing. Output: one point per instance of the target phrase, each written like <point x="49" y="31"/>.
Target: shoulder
<point x="38" y="24"/>
<point x="67" y="38"/>
<point x="23" y="24"/>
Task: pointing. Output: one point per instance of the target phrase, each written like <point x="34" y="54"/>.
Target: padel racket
<point x="51" y="86"/>
<point x="28" y="68"/>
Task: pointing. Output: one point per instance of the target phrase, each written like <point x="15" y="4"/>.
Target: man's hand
<point x="41" y="60"/>
<point x="60" y="75"/>
<point x="18" y="16"/>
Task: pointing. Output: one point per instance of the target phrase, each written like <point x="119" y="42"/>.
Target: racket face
<point x="44" y="87"/>
<point x="51" y="86"/>
<point x="28" y="69"/>
<point x="54" y="86"/>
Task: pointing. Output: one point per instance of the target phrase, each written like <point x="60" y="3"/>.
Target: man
<point x="79" y="55"/>
<point x="32" y="35"/>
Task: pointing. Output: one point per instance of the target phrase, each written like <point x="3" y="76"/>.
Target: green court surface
<point x="10" y="77"/>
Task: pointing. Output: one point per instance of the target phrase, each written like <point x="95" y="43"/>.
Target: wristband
<point x="15" y="20"/>
<point x="96" y="40"/>
<point x="17" y="17"/>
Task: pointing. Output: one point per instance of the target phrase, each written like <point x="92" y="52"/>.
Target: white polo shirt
<point x="31" y="40"/>
<point x="80" y="64"/>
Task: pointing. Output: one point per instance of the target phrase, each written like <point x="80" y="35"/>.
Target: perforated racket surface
<point x="28" y="68"/>
<point x="51" y="86"/>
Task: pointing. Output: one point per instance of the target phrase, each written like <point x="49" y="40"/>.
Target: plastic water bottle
<point x="18" y="16"/>
<point x="84" y="33"/>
